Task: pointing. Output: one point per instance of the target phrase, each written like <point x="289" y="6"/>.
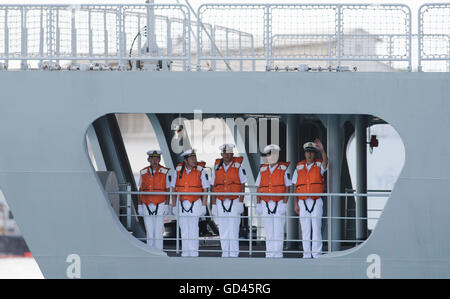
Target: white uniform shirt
<point x="287" y="181"/>
<point x="205" y="182"/>
<point x="308" y="167"/>
<point x="168" y="182"/>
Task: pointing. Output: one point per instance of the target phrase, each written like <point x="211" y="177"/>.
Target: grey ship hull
<point x="60" y="206"/>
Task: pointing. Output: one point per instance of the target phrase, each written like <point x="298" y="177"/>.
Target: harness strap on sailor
<point x="263" y="186"/>
<point x="220" y="164"/>
<point x="196" y="186"/>
<point x="228" y="184"/>
<point x="312" y="208"/>
<point x="181" y="172"/>
<point x="155" y="212"/>
<point x="184" y="210"/>
<point x="274" y="209"/>
<point x="225" y="210"/>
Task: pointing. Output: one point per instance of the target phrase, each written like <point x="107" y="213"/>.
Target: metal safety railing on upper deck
<point x="100" y="33"/>
<point x="230" y="37"/>
<point x="328" y="33"/>
<point x="434" y="37"/>
<point x="254" y="218"/>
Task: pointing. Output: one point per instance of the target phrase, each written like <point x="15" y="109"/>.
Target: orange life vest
<point x="272" y="182"/>
<point x="191" y="182"/>
<point x="309" y="181"/>
<point x="227" y="181"/>
<point x="153" y="183"/>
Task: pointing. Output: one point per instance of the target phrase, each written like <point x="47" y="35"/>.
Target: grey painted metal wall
<point x="61" y="209"/>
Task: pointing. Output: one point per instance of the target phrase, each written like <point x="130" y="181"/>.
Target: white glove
<point x="240" y="207"/>
<point x="140" y="210"/>
<point x="203" y="211"/>
<point x="282" y="207"/>
<point x="214" y="210"/>
<point x="175" y="211"/>
<point x="259" y="209"/>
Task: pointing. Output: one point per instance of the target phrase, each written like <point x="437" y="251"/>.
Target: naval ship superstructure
<point x="298" y="71"/>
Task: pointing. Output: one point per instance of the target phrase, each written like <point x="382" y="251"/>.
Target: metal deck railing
<point x="434" y="37"/>
<point x="253" y="218"/>
<point x="228" y="37"/>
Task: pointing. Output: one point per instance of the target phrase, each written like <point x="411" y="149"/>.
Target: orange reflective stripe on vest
<point x="153" y="183"/>
<point x="272" y="182"/>
<point x="227" y="181"/>
<point x="309" y="181"/>
<point x="191" y="182"/>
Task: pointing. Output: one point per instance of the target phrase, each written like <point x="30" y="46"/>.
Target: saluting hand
<point x="319" y="144"/>
<point x="322" y="152"/>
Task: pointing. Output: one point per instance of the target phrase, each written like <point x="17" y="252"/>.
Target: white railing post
<point x="129" y="203"/>
<point x="199" y="48"/>
<point x="419" y="39"/>
<point x="150" y="31"/>
<point x="105" y="34"/>
<point x="267" y="20"/>
<point x="169" y="38"/>
<point x="252" y="41"/>
<point x="409" y="41"/>
<point x="329" y="223"/>
<point x="177" y="246"/>
<point x="448" y="54"/>
<point x="24" y="39"/>
<point x="213" y="48"/>
<point x="6" y="36"/>
<point x="186" y="62"/>
<point x="390" y="53"/>
<point x="74" y="34"/>
<point x="50" y="33"/>
<point x="41" y="33"/>
<point x="58" y="37"/>
<point x="90" y="35"/>
<point x="121" y="33"/>
<point x="330" y="50"/>
<point x="339" y="35"/>
<point x="227" y="47"/>
<point x="139" y="40"/>
<point x="241" y="62"/>
<point x="124" y="47"/>
<point x="189" y="40"/>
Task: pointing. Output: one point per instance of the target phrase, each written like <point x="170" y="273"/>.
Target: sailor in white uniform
<point x="153" y="208"/>
<point x="308" y="177"/>
<point x="228" y="176"/>
<point x="273" y="178"/>
<point x="190" y="177"/>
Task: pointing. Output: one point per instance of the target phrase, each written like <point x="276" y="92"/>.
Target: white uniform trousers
<point x="189" y="227"/>
<point x="154" y="224"/>
<point x="311" y="220"/>
<point x="274" y="227"/>
<point x="229" y="227"/>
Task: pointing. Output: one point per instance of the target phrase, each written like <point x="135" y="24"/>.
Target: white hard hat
<point x="154" y="153"/>
<point x="271" y="147"/>
<point x="310" y="146"/>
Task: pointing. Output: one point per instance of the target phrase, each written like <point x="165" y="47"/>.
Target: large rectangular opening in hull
<point x="365" y="157"/>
